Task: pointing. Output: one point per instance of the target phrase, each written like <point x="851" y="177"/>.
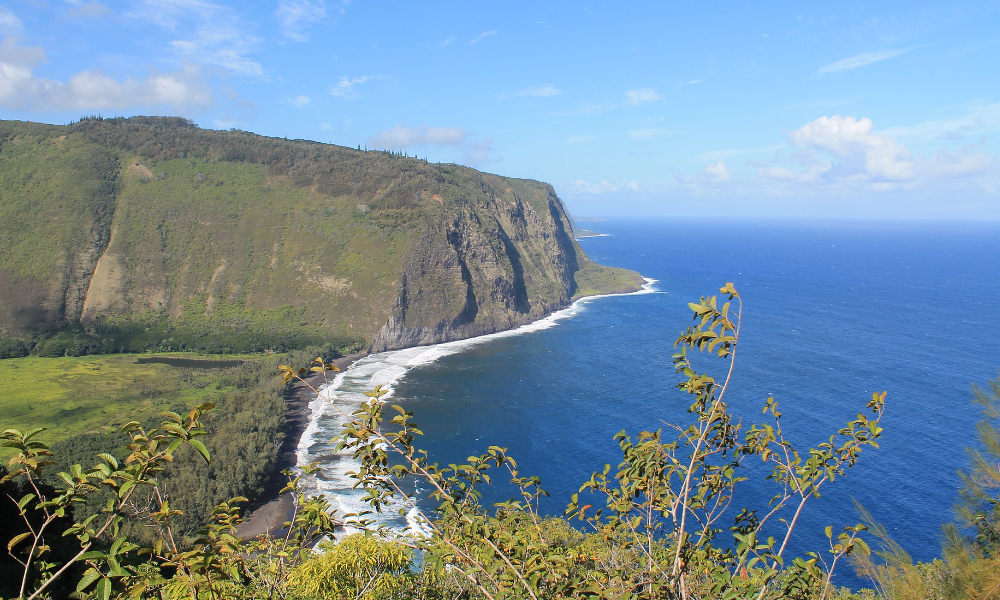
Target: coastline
<point x="269" y="517"/>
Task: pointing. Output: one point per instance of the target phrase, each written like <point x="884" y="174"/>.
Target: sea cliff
<point x="152" y="225"/>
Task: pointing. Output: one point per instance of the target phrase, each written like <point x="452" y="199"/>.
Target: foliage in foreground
<point x="664" y="527"/>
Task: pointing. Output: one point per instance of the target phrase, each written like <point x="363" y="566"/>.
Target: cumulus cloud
<point x="299" y="101"/>
<point x="10" y="24"/>
<point x="294" y="16"/>
<point x="860" y="152"/>
<point x="87" y="90"/>
<point x="542" y="91"/>
<point x="640" y="96"/>
<point x="861" y="60"/>
<point x="838" y="151"/>
<point x="482" y="36"/>
<point x="345" y="86"/>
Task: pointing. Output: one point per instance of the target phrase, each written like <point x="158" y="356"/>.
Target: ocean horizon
<point x="833" y="312"/>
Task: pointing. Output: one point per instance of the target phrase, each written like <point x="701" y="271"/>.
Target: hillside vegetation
<point x="668" y="522"/>
<point x="152" y="234"/>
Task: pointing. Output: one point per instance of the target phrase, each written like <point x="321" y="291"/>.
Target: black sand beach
<point x="269" y="517"/>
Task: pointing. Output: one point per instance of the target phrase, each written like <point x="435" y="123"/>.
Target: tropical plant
<point x="658" y="532"/>
<point x="664" y="504"/>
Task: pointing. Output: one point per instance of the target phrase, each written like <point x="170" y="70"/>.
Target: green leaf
<point x="25" y="500"/>
<point x="103" y="590"/>
<point x="111" y="460"/>
<point x="89" y="577"/>
<point x="200" y="447"/>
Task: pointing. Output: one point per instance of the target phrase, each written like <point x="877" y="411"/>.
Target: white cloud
<point x="296" y="15"/>
<point x="542" y="91"/>
<point x="10" y="24"/>
<point x="718" y="171"/>
<point x="712" y="175"/>
<point x="299" y="101"/>
<point x="584" y="187"/>
<point x="477" y="152"/>
<point x="946" y="164"/>
<point x="978" y="119"/>
<point x="474" y="151"/>
<point x="90" y="10"/>
<point x="640" y="96"/>
<point x="402" y="136"/>
<point x="861" y="60"/>
<point x="87" y="90"/>
<point x="580" y="139"/>
<point x="482" y="36"/>
<point x="860" y="152"/>
<point x="345" y="87"/>
<point x="223" y="46"/>
<point x="845" y="152"/>
<point x="221" y="38"/>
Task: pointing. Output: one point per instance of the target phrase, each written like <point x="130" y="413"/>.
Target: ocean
<point x="833" y="311"/>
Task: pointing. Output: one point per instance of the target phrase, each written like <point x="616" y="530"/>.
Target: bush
<point x="13" y="348"/>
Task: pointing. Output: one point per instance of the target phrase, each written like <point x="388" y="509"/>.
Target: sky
<point x="763" y="109"/>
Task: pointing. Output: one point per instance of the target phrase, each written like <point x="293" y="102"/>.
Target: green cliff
<point x="118" y="226"/>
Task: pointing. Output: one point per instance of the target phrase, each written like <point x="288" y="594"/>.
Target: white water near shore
<point x="341" y="396"/>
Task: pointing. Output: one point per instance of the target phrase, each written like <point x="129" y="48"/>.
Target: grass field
<point x="73" y="395"/>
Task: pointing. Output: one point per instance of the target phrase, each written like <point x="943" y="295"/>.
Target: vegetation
<point x="76" y="395"/>
<point x="660" y="525"/>
<point x="150" y="234"/>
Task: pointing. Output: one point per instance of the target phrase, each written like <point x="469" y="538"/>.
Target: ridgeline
<point x="139" y="234"/>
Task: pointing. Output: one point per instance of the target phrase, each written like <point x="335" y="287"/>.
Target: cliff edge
<point x="117" y="226"/>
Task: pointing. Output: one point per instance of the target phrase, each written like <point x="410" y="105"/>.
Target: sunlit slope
<point x="124" y="223"/>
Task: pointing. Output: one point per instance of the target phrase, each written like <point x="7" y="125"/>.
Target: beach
<point x="269" y="517"/>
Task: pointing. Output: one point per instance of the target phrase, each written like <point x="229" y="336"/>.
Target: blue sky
<point x="770" y="109"/>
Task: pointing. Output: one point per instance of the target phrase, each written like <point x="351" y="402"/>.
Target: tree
<point x="663" y="507"/>
<point x="657" y="534"/>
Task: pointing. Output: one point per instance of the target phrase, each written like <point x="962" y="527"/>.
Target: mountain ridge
<point x="151" y="226"/>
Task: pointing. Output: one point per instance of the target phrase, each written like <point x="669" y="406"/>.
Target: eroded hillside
<point x="121" y="225"/>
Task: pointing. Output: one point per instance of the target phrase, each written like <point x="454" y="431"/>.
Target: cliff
<point x="152" y="224"/>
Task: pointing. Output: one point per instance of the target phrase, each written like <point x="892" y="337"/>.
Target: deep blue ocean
<point x="833" y="311"/>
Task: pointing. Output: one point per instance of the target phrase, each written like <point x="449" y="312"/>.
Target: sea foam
<point x="336" y="401"/>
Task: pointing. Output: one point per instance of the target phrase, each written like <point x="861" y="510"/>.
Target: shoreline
<point x="269" y="516"/>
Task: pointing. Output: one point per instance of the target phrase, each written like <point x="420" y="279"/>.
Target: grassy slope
<point x="294" y="260"/>
<point x="56" y="198"/>
<point x="230" y="234"/>
<point x="74" y="395"/>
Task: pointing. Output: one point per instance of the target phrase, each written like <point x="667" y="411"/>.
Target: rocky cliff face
<point x="135" y="223"/>
<point x="494" y="262"/>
